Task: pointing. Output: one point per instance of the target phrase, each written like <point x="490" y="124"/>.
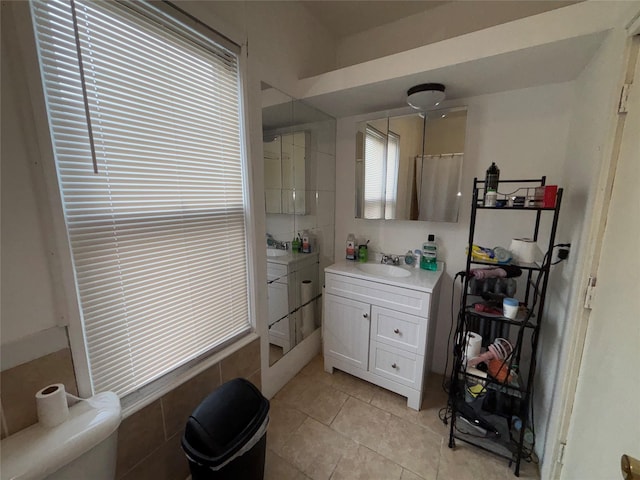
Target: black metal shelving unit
<point x="510" y="397"/>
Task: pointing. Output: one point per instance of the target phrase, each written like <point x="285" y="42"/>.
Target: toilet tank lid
<point x="37" y="451"/>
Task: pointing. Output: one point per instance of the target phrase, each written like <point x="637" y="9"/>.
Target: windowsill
<point x="136" y="401"/>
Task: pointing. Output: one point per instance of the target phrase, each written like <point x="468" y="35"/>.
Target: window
<point x="393" y="163"/>
<point x="381" y="163"/>
<point x="145" y="119"/>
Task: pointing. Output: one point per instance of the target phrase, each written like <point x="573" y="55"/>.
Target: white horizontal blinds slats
<point x="157" y="235"/>
<point x="393" y="163"/>
<point x="374" y="151"/>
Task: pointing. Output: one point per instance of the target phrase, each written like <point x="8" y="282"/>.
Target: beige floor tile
<point x="354" y="386"/>
<point x="315" y="368"/>
<point x="283" y="421"/>
<point x="373" y="430"/>
<point x="412" y="446"/>
<point x="365" y="464"/>
<point x="393" y="403"/>
<point x="528" y="471"/>
<point x="428" y="416"/>
<point x="321" y="402"/>
<point x="465" y="462"/>
<point x="362" y="422"/>
<point x="292" y="391"/>
<point x="315" y="449"/>
<point x="408" y="475"/>
<point x="277" y="468"/>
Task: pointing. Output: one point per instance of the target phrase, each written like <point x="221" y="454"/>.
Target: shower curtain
<point x="437" y="185"/>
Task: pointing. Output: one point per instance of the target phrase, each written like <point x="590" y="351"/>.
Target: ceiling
<point x="549" y="63"/>
<point x="346" y="17"/>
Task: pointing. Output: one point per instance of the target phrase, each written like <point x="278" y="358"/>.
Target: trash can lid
<point x="224" y="422"/>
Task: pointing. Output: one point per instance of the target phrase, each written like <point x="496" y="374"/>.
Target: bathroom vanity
<point x="379" y="325"/>
<point x="286" y="272"/>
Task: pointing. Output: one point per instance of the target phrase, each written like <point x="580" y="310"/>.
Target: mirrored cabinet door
<point x="299" y="199"/>
<point x="409" y="167"/>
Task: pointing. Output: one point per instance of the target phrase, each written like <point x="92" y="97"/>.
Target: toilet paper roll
<point x="51" y="405"/>
<point x="524" y="250"/>
<point x="474" y="343"/>
<point x="308" y="319"/>
<point x="306" y="291"/>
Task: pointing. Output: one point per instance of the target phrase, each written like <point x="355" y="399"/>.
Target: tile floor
<point x="337" y="426"/>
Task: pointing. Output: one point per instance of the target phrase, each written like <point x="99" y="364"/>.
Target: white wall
<point x="524" y="132"/>
<point x="32" y="313"/>
<point x="446" y="21"/>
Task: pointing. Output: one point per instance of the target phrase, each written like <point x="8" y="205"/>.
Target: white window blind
<point x="157" y="235"/>
<point x="374" y="173"/>
<point x="393" y="163"/>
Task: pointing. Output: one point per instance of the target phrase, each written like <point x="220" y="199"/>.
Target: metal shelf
<point x="536" y="277"/>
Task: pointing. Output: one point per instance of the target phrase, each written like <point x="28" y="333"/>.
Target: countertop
<point x="292" y="257"/>
<point x="421" y="280"/>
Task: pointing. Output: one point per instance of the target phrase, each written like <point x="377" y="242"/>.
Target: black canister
<point x="492" y="178"/>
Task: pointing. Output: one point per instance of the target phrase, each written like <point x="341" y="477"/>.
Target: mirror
<point x="409" y="167"/>
<point x="299" y="181"/>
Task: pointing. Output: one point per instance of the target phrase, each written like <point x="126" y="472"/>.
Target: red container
<point x="550" y="192"/>
<point x="545" y="197"/>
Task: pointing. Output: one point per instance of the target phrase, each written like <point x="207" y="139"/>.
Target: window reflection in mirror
<point x="409" y="167"/>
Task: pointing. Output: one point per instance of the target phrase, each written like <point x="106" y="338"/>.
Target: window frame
<point x="70" y="310"/>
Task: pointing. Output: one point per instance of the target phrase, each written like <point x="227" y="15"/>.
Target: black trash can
<point x="226" y="435"/>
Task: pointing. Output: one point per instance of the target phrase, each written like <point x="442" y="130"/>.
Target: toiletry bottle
<point x="428" y="261"/>
<point x="295" y="245"/>
<point x="306" y="244"/>
<point x="492" y="178"/>
<point x="351" y="247"/>
<point x="363" y="253"/>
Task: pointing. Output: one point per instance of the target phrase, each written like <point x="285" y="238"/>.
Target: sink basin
<point x="383" y="270"/>
<point x="272" y="252"/>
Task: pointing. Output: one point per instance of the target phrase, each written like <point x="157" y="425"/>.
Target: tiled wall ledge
<point x="33" y="347"/>
<point x="149" y="437"/>
<point x="229" y="356"/>
<point x="150" y="433"/>
<point x="20" y="384"/>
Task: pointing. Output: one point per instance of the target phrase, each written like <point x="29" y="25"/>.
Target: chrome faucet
<point x="272" y="242"/>
<point x="390" y="259"/>
<point x="281" y="245"/>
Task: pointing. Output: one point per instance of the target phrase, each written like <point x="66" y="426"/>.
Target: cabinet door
<point x="346" y="330"/>
<point x="278" y="296"/>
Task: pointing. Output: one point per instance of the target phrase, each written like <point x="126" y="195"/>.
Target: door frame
<point x="577" y="325"/>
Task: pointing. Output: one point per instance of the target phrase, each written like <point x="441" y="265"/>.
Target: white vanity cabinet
<point x="381" y="329"/>
<point x="285" y="275"/>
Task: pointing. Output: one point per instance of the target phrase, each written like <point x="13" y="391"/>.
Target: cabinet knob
<point x="365" y="315"/>
<point x="396" y="331"/>
<point x="394" y="366"/>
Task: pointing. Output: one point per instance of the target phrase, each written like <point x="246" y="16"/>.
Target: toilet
<point x="83" y="447"/>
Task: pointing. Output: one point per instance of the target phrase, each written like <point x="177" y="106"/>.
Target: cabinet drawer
<point x="397" y="365"/>
<point x="276" y="271"/>
<point x="397" y="329"/>
<point x="400" y="299"/>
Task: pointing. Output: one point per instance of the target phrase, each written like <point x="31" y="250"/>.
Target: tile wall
<point x="149" y="440"/>
<point x="20" y="384"/>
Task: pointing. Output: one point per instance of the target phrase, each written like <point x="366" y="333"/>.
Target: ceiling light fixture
<point x="425" y="95"/>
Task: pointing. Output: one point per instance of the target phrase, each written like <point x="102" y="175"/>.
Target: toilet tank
<point x="84" y="446"/>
